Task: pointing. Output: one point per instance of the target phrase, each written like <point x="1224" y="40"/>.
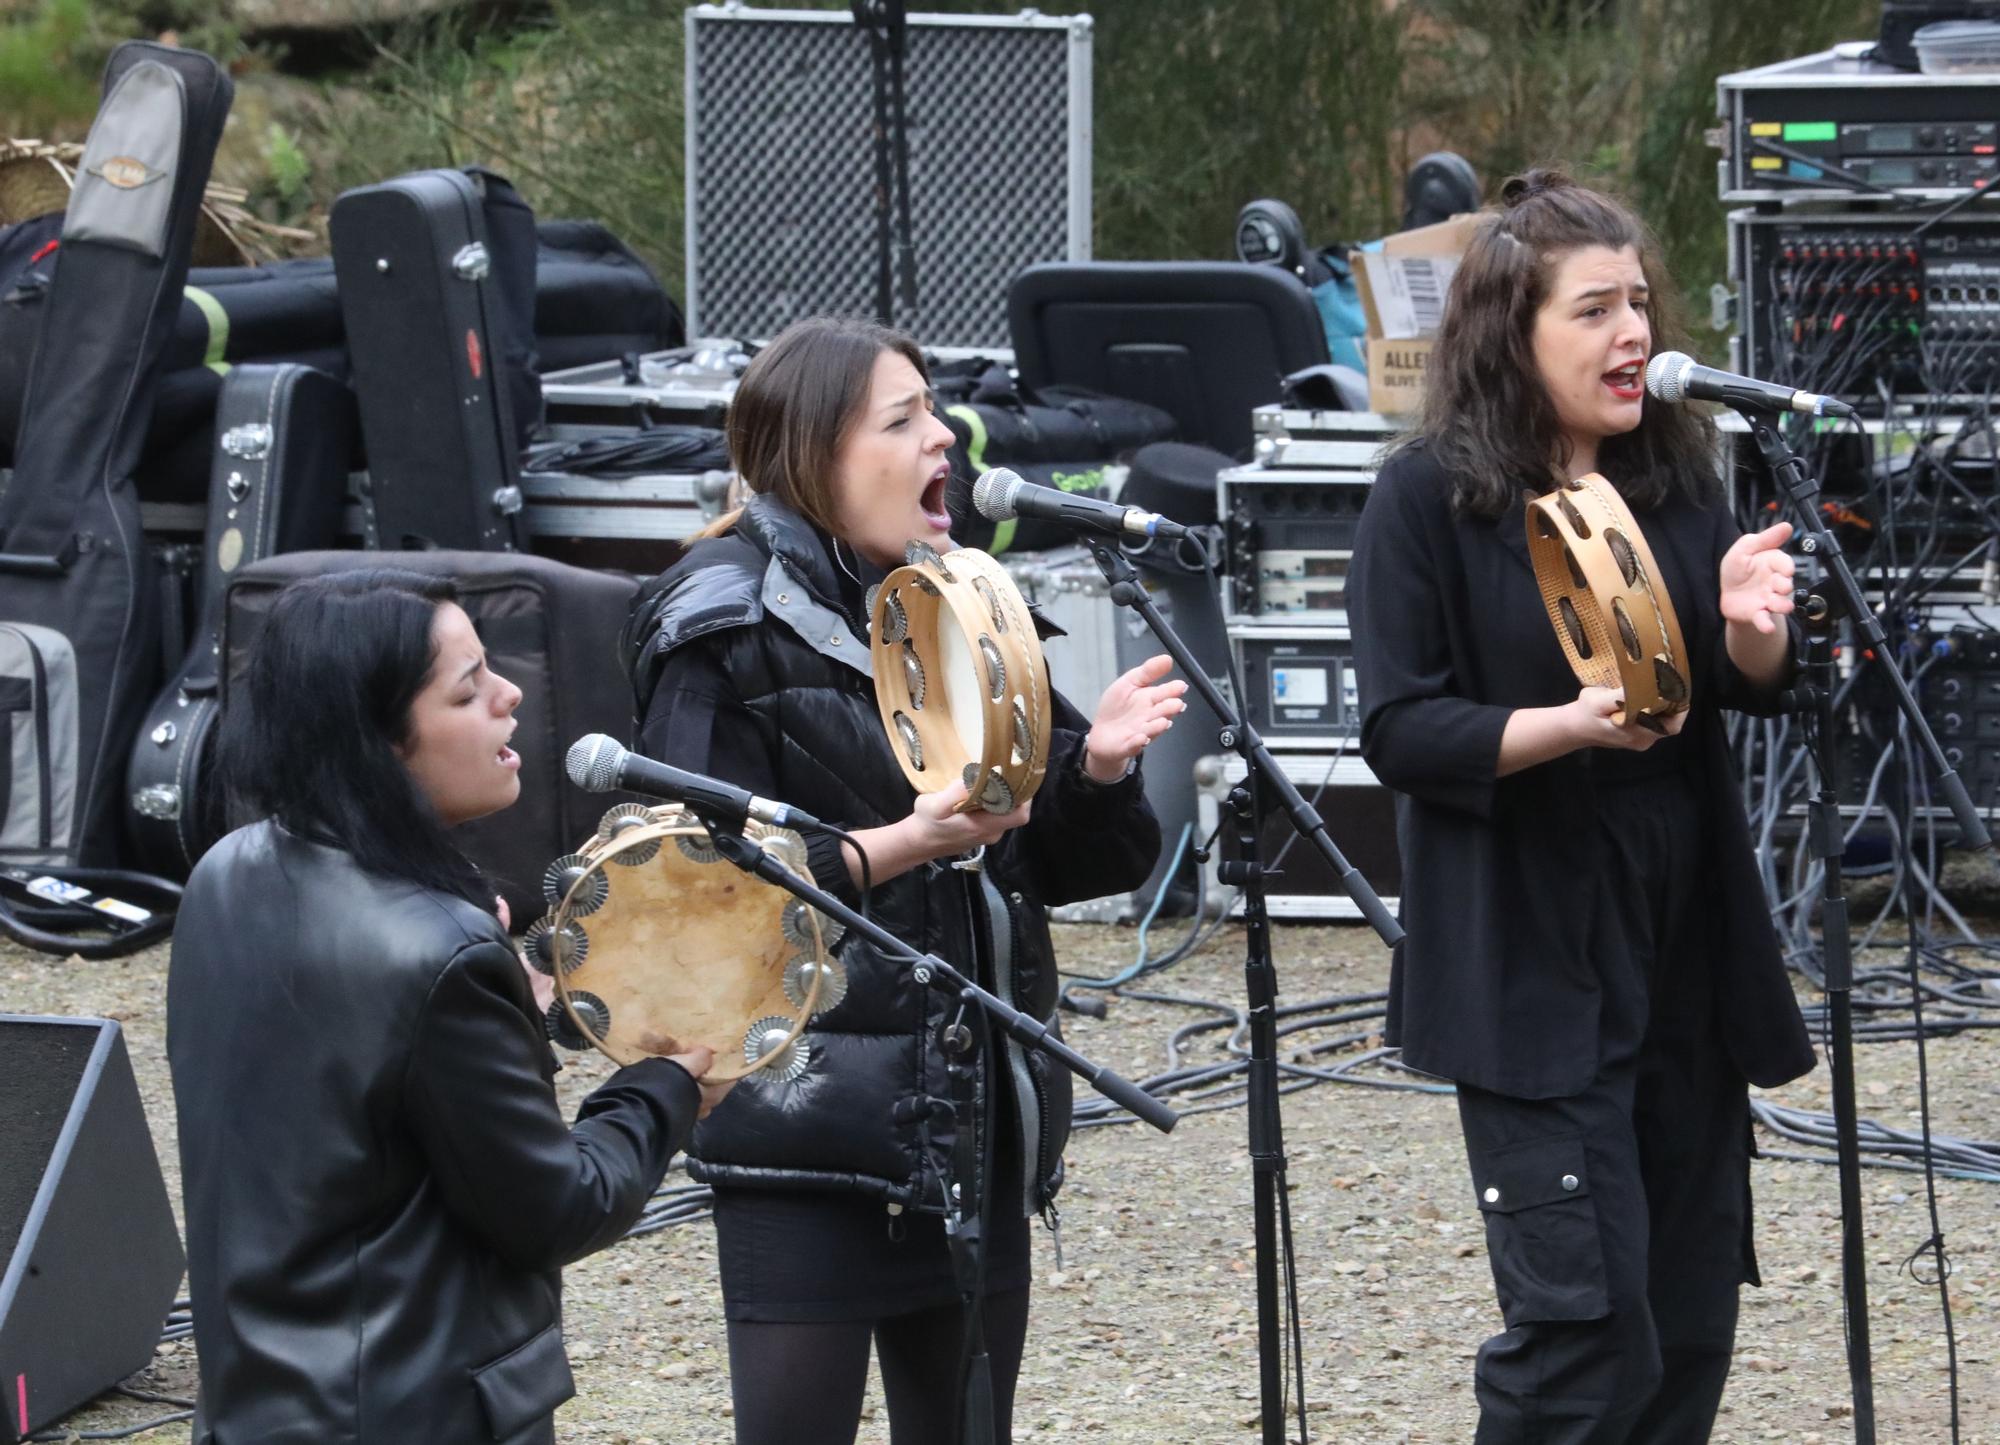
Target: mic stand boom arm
<point x="934" y="972"/>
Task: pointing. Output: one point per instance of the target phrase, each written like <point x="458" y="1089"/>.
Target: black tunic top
<point x="1497" y="981"/>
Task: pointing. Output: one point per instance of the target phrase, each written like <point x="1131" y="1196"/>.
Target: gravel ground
<point x="1149" y="1333"/>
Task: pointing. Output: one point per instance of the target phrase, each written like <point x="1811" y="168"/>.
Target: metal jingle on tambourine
<point x="797" y="925"/>
<point x="1574" y="626"/>
<point x="1622" y="552"/>
<point x="1024" y="742"/>
<point x="832" y="983"/>
<point x="550" y="948"/>
<point x="996" y="668"/>
<point x="1627" y="633"/>
<point x="895" y="618"/>
<point x="562" y="1026"/>
<point x="621" y="820"/>
<point x="781" y="843"/>
<point x="913" y="743"/>
<point x="995" y="796"/>
<point x="1573" y="516"/>
<point x="913" y="673"/>
<point x="1669" y="680"/>
<point x="923" y="554"/>
<point x="992" y="600"/>
<point x="564" y="874"/>
<point x="697" y="848"/>
<point x="772" y="1037"/>
<point x="1576" y="577"/>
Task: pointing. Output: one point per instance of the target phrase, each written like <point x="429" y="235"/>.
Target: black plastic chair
<point x="1203" y="340"/>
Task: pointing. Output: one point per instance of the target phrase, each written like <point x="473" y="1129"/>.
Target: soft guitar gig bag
<point x="74" y="570"/>
<point x="285" y="436"/>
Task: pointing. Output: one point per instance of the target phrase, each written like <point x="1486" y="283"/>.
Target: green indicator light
<point x="1811" y="130"/>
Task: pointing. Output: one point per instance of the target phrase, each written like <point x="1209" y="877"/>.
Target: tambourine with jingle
<point x="656" y="942"/>
<point x="1607" y="599"/>
<point x="959" y="678"/>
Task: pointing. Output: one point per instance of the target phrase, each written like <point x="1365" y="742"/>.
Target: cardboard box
<point x="1402" y="289"/>
<point x="1396" y="373"/>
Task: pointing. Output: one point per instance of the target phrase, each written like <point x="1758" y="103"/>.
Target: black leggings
<point x="802" y="1383"/>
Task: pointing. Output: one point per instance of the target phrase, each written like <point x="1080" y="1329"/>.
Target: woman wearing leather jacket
<point x="380" y="1190"/>
<point x="750" y="661"/>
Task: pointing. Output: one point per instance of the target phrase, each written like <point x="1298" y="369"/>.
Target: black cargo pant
<point x="1618" y="1219"/>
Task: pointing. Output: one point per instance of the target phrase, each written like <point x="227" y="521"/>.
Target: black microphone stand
<point x="964" y="1221"/>
<point x="1814" y="701"/>
<point x="1267" y="1150"/>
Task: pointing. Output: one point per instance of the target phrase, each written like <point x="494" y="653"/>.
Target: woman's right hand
<point x="1591" y="721"/>
<point x="698" y="1060"/>
<point x="935" y="831"/>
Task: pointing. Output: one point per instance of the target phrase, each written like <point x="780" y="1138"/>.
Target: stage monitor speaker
<point x="89" y="1255"/>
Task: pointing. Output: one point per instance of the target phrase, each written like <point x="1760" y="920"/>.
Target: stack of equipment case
<point x="1291" y="517"/>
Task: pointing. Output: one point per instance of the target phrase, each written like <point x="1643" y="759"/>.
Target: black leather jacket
<point x="870" y="1113"/>
<point x="379" y="1187"/>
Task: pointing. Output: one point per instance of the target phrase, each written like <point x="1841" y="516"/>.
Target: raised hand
<point x="1134" y="710"/>
<point x="1756" y="578"/>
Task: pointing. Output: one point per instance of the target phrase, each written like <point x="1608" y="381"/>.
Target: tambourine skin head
<point x="1607" y="599"/>
<point x="680" y="951"/>
<point x="960" y="679"/>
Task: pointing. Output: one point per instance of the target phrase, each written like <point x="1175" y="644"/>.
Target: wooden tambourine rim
<point x="676" y="823"/>
<point x="1655" y="623"/>
<point x="923" y="592"/>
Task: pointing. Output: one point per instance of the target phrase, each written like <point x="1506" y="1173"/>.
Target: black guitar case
<point x="73" y="565"/>
<point x="286" y="435"/>
<point x="431" y="302"/>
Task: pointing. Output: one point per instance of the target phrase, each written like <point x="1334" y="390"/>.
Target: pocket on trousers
<point x="1541" y="1231"/>
<point x="525" y="1385"/>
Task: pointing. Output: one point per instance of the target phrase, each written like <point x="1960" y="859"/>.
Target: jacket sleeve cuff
<point x="671" y="1090"/>
<point x="1087" y="803"/>
<point x="828" y="862"/>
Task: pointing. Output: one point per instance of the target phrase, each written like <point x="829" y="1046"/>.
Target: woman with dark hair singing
<point x="750" y="660"/>
<point x="380" y="1190"/>
<point x="1588" y="954"/>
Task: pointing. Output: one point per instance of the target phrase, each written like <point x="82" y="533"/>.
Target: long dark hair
<point x="797" y="403"/>
<point x="311" y="738"/>
<point x="1487" y="418"/>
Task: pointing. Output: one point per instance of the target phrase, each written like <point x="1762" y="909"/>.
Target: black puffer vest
<point x="871" y="1112"/>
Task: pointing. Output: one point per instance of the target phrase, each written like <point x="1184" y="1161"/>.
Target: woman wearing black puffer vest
<point x="750" y="661"/>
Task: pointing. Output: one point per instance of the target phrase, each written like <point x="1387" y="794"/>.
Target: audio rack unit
<point x="1789" y="128"/>
<point x="1834" y="301"/>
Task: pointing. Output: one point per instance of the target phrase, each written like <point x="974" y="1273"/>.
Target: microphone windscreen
<point x="993" y="494"/>
<point x="592" y="763"/>
<point x="1666" y="375"/>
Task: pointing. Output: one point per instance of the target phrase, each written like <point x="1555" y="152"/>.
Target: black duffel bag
<point x="1060" y="436"/>
<point x="594" y="301"/>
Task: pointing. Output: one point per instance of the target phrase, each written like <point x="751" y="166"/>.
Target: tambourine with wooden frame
<point x="1607" y="599"/>
<point x="960" y="679"/>
<point x="656" y="943"/>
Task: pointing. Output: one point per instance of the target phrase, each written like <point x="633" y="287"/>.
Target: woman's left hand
<point x="1133" y="711"/>
<point x="1756" y="577"/>
<point x="539" y="984"/>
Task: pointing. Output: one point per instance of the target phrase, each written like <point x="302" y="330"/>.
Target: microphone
<point x="1000" y="494"/>
<point x="597" y="764"/>
<point x="1674" y="376"/>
